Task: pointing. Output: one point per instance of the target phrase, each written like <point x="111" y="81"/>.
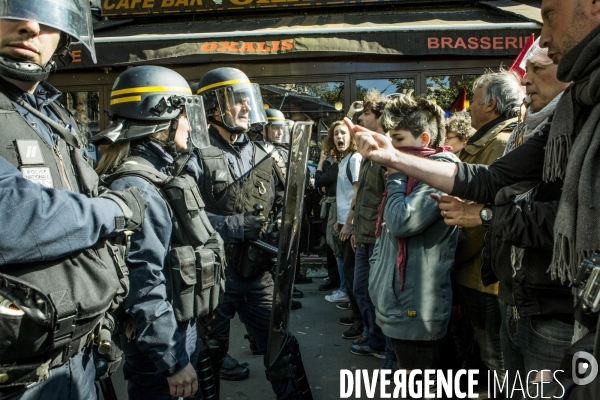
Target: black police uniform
<point x="156" y="345"/>
<point x="41" y="222"/>
<point x="233" y="178"/>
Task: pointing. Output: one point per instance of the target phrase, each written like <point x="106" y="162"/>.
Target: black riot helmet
<point x="239" y="101"/>
<point x="71" y="17"/>
<point x="276" y="130"/>
<point x="148" y="99"/>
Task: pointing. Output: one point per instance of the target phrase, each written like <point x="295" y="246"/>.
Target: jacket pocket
<point x="261" y="182"/>
<point x="211" y="281"/>
<point x="18" y="332"/>
<point x="183" y="280"/>
<point x="366" y="219"/>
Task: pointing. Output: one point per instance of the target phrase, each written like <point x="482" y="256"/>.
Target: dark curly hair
<point x="416" y="115"/>
<point x="329" y="146"/>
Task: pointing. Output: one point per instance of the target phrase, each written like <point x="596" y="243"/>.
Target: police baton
<point x="108" y="389"/>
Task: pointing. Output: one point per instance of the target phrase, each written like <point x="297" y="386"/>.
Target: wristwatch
<point x="486" y="215"/>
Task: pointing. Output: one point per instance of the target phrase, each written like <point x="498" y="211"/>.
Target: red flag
<point x="459" y="102"/>
<point x="519" y="66"/>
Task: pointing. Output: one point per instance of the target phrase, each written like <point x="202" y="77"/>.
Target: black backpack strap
<point x="137" y="166"/>
<point x="348" y="173"/>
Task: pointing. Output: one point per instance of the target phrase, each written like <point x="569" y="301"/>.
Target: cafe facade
<point x="322" y="54"/>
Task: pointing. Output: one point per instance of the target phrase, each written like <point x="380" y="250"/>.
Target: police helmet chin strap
<point x="25" y="71"/>
<point x="28" y="71"/>
<point x="169" y="144"/>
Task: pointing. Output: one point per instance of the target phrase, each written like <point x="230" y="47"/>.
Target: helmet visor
<point x="72" y="17"/>
<point x="196" y="116"/>
<point x="241" y="106"/>
<point x="277" y="132"/>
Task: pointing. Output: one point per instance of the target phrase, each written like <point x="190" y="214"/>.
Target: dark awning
<point x="468" y="31"/>
<point x="526" y="11"/>
<point x="281" y="98"/>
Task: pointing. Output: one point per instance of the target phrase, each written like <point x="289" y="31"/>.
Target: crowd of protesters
<point x="422" y="270"/>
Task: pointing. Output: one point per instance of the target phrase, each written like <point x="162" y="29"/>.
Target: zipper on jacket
<point x="63" y="170"/>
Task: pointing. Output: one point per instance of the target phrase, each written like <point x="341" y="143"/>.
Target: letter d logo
<point x="584" y="364"/>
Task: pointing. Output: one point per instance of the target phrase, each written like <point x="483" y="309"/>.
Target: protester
<point x="326" y="179"/>
<point x="570" y="32"/>
<point x="414" y="251"/>
<point x="496" y="100"/>
<point x="344" y="149"/>
<point x="536" y="309"/>
<point x="458" y="131"/>
<point x="371" y="184"/>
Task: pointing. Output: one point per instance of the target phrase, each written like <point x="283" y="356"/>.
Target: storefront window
<point x="384" y="86"/>
<point x="321" y="102"/>
<point x="84" y="106"/>
<point x="316" y="101"/>
<point x="445" y="88"/>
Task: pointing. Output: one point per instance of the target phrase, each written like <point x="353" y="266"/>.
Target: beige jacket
<point x="467" y="264"/>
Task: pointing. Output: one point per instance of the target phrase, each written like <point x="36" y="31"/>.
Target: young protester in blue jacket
<point x="414" y="250"/>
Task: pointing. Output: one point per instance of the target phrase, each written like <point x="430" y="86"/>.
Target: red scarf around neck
<point x="412" y="183"/>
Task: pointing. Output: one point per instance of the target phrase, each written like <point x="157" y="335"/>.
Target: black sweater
<point x="522" y="224"/>
<point x="327" y="178"/>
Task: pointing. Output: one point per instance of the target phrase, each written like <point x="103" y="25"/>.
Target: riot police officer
<point x="276" y="130"/>
<point x="147" y="133"/>
<point x="58" y="277"/>
<point x="235" y="175"/>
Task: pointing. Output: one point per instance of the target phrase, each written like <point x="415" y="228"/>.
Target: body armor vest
<point x="195" y="266"/>
<point x="62" y="300"/>
<point x="224" y="192"/>
<point x="279" y="155"/>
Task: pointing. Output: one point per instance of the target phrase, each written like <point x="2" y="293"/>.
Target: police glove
<point x="253" y="225"/>
<point x="133" y="206"/>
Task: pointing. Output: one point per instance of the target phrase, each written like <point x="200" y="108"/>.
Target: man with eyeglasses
<point x="494" y="108"/>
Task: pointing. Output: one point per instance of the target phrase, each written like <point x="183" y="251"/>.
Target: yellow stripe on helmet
<point x="146" y="89"/>
<point x="126" y="100"/>
<point x="214" y="85"/>
<point x="275" y="119"/>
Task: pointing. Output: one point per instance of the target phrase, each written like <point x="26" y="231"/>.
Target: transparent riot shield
<point x="289" y="234"/>
<point x="196" y="116"/>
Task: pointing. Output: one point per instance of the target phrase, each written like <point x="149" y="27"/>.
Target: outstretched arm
<point x="378" y="148"/>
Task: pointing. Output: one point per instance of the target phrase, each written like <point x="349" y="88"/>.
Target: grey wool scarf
<point x="573" y="154"/>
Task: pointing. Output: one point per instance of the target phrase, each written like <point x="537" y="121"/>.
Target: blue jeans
<point x="71" y="381"/>
<point x="143" y="380"/>
<point x="390" y="354"/>
<point x="533" y="343"/>
<point x="483" y="312"/>
<point x="340" y="264"/>
<point x="417" y="354"/>
<point x="361" y="293"/>
<point x="348" y="259"/>
<point x="252" y="299"/>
